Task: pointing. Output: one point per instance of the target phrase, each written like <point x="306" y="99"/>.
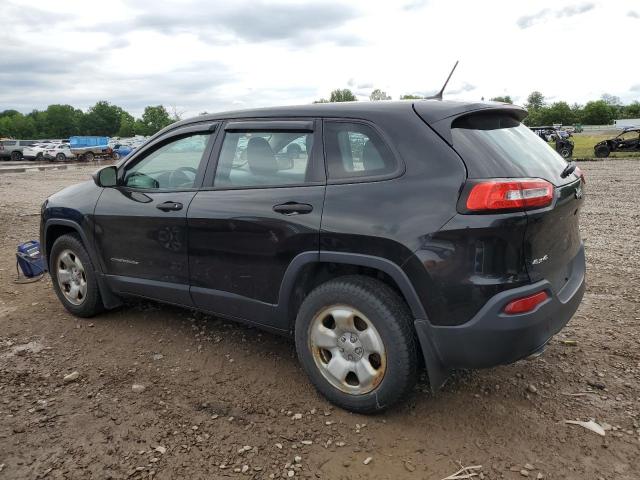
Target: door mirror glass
<point x="106" y="177"/>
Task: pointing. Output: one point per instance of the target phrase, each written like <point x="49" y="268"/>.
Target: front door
<point x="140" y="226"/>
<point x="258" y="209"/>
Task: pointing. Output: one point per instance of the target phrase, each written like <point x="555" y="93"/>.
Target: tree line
<point x="63" y="121"/>
<point x="105" y="119"/>
<point x="596" y="112"/>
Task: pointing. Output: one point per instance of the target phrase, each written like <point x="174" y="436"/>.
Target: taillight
<point x="509" y="194"/>
<point x="525" y="304"/>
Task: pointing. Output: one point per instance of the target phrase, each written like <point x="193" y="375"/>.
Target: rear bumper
<point x="493" y="338"/>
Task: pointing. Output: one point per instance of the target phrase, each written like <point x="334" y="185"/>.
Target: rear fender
<point x="436" y="371"/>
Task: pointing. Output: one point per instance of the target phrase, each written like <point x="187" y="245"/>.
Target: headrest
<point x="260" y="156"/>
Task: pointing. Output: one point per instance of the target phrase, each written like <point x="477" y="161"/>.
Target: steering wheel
<point x="178" y="177"/>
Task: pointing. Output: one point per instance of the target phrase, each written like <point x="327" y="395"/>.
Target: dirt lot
<point x="222" y="400"/>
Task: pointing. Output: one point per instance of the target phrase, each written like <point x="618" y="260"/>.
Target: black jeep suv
<point x="382" y="236"/>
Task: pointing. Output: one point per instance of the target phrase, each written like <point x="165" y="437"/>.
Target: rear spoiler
<point x="440" y="115"/>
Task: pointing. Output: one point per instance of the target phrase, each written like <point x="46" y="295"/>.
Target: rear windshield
<point x="495" y="145"/>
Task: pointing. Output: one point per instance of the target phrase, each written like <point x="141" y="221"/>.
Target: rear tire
<point x="115" y="156"/>
<point x="89" y="157"/>
<point x="602" y="151"/>
<point x="61" y="157"/>
<point x="16" y="156"/>
<point x="365" y="328"/>
<point x="73" y="277"/>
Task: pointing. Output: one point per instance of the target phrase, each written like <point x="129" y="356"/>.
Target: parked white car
<point x="58" y="153"/>
<point x="35" y="151"/>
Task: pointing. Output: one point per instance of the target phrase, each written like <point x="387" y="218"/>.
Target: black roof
<point x="430" y="110"/>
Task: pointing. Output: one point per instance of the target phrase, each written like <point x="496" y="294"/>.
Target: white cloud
<point x="214" y="55"/>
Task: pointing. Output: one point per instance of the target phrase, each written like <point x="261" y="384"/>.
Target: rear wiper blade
<point x="568" y="170"/>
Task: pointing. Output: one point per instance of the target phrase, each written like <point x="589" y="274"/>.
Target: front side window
<point x="173" y="166"/>
<point x="254" y="159"/>
<point x="356" y="150"/>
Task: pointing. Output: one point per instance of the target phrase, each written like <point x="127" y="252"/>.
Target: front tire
<point x="61" y="157"/>
<point x="355" y="340"/>
<point x="16" y="156"/>
<point x="73" y="277"/>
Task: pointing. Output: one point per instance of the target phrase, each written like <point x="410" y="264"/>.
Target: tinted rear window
<point x="495" y="145"/>
<point x="8" y="142"/>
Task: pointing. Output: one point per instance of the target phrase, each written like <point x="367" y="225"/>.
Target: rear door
<point x="260" y="207"/>
<point x="496" y="145"/>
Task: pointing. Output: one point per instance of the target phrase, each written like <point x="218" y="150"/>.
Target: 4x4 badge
<point x="578" y="192"/>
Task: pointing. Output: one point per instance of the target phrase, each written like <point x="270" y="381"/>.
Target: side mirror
<point x="106" y="177"/>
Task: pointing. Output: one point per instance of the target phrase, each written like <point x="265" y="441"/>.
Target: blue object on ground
<point x="30" y="259"/>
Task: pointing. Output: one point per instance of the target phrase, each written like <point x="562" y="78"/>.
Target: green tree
<point x="631" y="111"/>
<point x="410" y="97"/>
<point x="505" y="99"/>
<point x="342" y="95"/>
<point x="102" y="119"/>
<point x="557" y="112"/>
<point x="598" y="113"/>
<point x="127" y="125"/>
<point x="41" y="123"/>
<point x="60" y="121"/>
<point x="17" y="125"/>
<point x="8" y="113"/>
<point x="154" y="119"/>
<point x="6" y="126"/>
<point x="378" y="94"/>
<point x="576" y="111"/>
<point x="535" y="101"/>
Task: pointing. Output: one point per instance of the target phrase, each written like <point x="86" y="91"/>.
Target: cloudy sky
<point x="205" y="55"/>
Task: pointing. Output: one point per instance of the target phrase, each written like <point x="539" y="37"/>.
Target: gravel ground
<point x="216" y="400"/>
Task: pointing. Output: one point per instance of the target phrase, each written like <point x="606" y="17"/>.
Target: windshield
<point x="495" y="145"/>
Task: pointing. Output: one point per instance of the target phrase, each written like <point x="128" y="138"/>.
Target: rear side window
<point x="9" y="143"/>
<point x="356" y="150"/>
<point x="260" y="159"/>
<point x="495" y="145"/>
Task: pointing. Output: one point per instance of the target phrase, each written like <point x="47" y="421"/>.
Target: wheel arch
<point x="302" y="271"/>
<point x="56" y="227"/>
<point x="307" y="271"/>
